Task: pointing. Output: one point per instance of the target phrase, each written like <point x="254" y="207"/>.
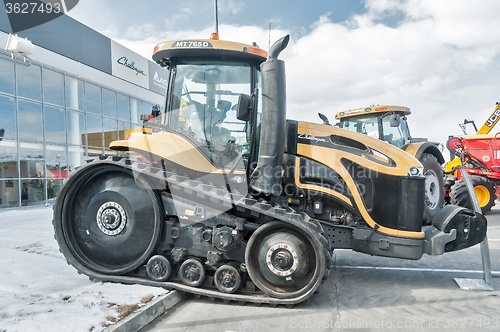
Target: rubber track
<point x="275" y="212"/>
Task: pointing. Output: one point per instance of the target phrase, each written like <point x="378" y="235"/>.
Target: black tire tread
<point x="301" y="220"/>
<point x="459" y="195"/>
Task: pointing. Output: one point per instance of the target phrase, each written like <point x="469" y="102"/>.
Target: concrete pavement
<point x="366" y="293"/>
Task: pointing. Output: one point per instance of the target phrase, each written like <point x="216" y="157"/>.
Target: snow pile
<point x="39" y="291"/>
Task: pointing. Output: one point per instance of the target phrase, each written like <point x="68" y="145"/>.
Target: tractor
<point x="232" y="201"/>
<point x="389" y="124"/>
<point x="480" y="154"/>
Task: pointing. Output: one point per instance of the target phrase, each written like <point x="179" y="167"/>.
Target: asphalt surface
<point x="367" y="293"/>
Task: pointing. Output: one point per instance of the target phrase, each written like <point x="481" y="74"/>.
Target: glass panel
<point x="32" y="192"/>
<point x="75" y="157"/>
<point x="398" y="136"/>
<point x="33" y="169"/>
<point x="6" y="76"/>
<point x="363" y="125"/>
<point x="74" y="93"/>
<point x="8" y="159"/>
<point x="31" y="150"/>
<point x="53" y="87"/>
<point x="123" y="107"/>
<point x="94" y="130"/>
<point x="30" y="167"/>
<point x="109" y="103"/>
<point x="8" y="117"/>
<point x="55" y="125"/>
<point x="93" y="98"/>
<point x="135" y="110"/>
<point x="56" y="162"/>
<point x="29" y="82"/>
<point x="121" y="130"/>
<point x="9" y="193"/>
<point x="93" y="152"/>
<point x="76" y="128"/>
<point x="53" y="187"/>
<point x="146" y="108"/>
<point x="110" y="131"/>
<point x="204" y="95"/>
<point x="30" y="120"/>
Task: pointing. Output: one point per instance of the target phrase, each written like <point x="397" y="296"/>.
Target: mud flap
<point x="454" y="228"/>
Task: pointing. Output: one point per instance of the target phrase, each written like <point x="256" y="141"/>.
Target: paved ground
<point x="367" y="293"/>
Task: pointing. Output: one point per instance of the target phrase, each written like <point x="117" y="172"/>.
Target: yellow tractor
<point x="232" y="201"/>
<point x="389" y="124"/>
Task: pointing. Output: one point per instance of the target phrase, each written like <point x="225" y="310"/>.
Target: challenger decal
<point x="305" y="138"/>
<point x="312" y="137"/>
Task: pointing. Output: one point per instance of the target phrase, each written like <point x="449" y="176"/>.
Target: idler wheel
<point x="106" y="219"/>
<point x="283" y="261"/>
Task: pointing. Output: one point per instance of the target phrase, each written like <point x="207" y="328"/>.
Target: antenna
<point x="216" y="17"/>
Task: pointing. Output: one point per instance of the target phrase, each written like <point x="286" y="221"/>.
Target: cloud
<point x="232" y="7"/>
<point x="182" y="16"/>
<point x="439" y="58"/>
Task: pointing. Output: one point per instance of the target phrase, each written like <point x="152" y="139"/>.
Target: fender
<point x="168" y="146"/>
<point x="417" y="149"/>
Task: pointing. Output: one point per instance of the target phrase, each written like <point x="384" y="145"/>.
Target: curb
<point x="145" y="315"/>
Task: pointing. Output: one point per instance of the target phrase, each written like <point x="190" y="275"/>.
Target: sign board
<point x="158" y="78"/>
<point x="129" y="65"/>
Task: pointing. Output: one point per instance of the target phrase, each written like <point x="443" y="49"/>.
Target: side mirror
<point x="243" y="107"/>
<point x="395" y="120"/>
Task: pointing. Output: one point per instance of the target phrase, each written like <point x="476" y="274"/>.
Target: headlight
<point x="416" y="171"/>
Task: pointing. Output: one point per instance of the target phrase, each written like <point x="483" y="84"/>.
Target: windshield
<point x="205" y="95"/>
<point x="363" y="125"/>
<point x="397" y="136"/>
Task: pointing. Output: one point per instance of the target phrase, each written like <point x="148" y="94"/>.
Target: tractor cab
<point x="207" y="78"/>
<point x="387" y="123"/>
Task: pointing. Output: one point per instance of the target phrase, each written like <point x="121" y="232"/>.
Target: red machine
<point x="480" y="152"/>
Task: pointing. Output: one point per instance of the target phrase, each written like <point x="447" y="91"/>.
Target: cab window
<point x="204" y="107"/>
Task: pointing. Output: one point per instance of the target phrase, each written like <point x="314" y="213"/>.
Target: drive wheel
<point x="283" y="261"/>
<point x="107" y="224"/>
<point x="434" y="187"/>
<point x="485" y="192"/>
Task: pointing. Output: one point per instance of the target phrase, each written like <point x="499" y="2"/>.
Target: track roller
<point x="227" y="279"/>
<point x="192" y="272"/>
<point x="158" y="268"/>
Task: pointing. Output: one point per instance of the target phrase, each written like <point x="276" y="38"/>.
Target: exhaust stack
<point x="266" y="178"/>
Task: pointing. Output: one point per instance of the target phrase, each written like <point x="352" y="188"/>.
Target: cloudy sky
<point x="438" y="57"/>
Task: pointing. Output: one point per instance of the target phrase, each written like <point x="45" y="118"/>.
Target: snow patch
<point x="39" y="291"/>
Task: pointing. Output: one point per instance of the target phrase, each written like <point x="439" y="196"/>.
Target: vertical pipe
<point x="485" y="250"/>
<point x="216" y="17"/>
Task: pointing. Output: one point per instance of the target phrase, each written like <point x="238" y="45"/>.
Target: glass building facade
<point x="52" y="122"/>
